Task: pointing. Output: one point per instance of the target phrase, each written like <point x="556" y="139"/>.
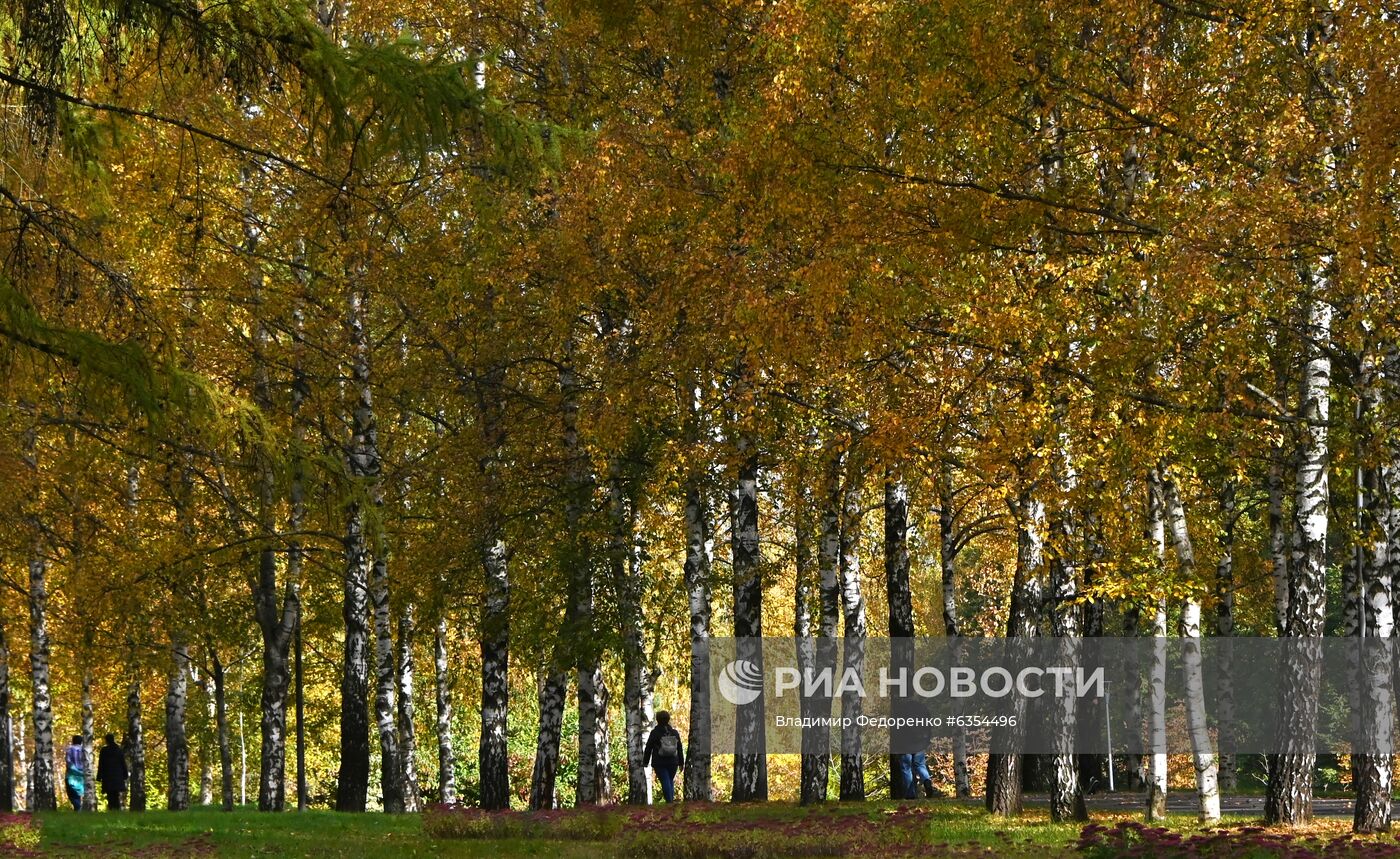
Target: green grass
<point x="324" y="834"/>
<point x="248" y="833"/>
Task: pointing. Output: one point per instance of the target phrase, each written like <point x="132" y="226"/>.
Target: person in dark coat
<point x="665" y="754"/>
<point x="112" y="773"/>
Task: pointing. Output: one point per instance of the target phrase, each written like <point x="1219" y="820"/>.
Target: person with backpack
<point x="665" y="754"/>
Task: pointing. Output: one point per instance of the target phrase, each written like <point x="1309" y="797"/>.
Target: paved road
<point x="1185" y="802"/>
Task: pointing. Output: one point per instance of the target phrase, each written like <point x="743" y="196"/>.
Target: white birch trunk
<point x="854" y="627"/>
<point x="408" y="741"/>
<point x="390" y="762"/>
<point x="177" y="747"/>
<point x="1289" y="796"/>
<point x="1157" y="673"/>
<point x="89" y="773"/>
<point x="134" y="744"/>
<point x="1203" y="757"/>
<point x="44" y="796"/>
<point x="447" y="765"/>
<point x="699" y="549"/>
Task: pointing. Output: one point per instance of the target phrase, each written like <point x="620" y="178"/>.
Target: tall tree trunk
<point x="625" y="558"/>
<point x="900" y="601"/>
<point x="386" y="679"/>
<point x="1157" y="673"/>
<point x="947" y="565"/>
<point x="1005" y="769"/>
<point x="446" y="776"/>
<point x="1225" y="631"/>
<point x="554" y="686"/>
<point x="698" y="557"/>
<point x="602" y="738"/>
<point x="44" y="796"/>
<point x="750" y="757"/>
<point x="828" y="623"/>
<point x="578" y="569"/>
<point x="352" y="782"/>
<point x="135" y="743"/>
<point x="812" y="776"/>
<point x="495" y="686"/>
<point x="7" y="760"/>
<point x="1066" y="794"/>
<point x="1289" y="796"/>
<point x="22" y="764"/>
<point x="854" y="627"/>
<point x="89" y="774"/>
<point x="408" y="741"/>
<point x="362" y="586"/>
<point x="221" y="728"/>
<point x="303" y="799"/>
<point x="276" y="624"/>
<point x="1203" y="757"/>
<point x="1376" y="501"/>
<point x="274" y="621"/>
<point x="177" y="746"/>
<point x="492" y="761"/>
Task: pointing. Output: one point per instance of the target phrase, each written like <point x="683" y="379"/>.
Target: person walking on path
<point x="112" y="772"/>
<point x="665" y="754"/>
<point x="76" y="775"/>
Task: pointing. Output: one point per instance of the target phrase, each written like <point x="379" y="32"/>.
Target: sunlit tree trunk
<point x="446" y="774"/>
<point x="554" y="685"/>
<point x="1224" y="631"/>
<point x="947" y="566"/>
<point x="804" y="594"/>
<point x="1203" y="757"/>
<point x="362" y="456"/>
<point x="386" y="681"/>
<point x="578" y="492"/>
<point x="828" y="620"/>
<point x="699" y="547"/>
<point x="492" y="762"/>
<point x="1005" y="768"/>
<point x="221" y="728"/>
<point x="408" y="740"/>
<point x="1289" y="796"/>
<point x="1066" y="792"/>
<point x="1372" y="765"/>
<point x="1157" y="672"/>
<point x="750" y="758"/>
<point x="89" y="771"/>
<point x="899" y="599"/>
<point x="134" y="744"/>
<point x="177" y="747"/>
<point x="854" y="629"/>
<point x="22" y="764"/>
<point x="495" y="689"/>
<point x="625" y="558"/>
<point x="42" y="795"/>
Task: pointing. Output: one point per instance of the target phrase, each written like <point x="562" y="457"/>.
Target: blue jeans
<point x="903" y="787"/>
<point x="666" y="774"/>
<point x="921" y="773"/>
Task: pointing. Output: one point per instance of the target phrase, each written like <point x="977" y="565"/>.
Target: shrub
<point x="1132" y="839"/>
<point x="19" y="835"/>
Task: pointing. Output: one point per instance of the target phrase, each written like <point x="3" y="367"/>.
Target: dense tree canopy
<point x="535" y="343"/>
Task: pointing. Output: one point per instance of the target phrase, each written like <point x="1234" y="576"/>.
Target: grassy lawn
<point x="681" y="832"/>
